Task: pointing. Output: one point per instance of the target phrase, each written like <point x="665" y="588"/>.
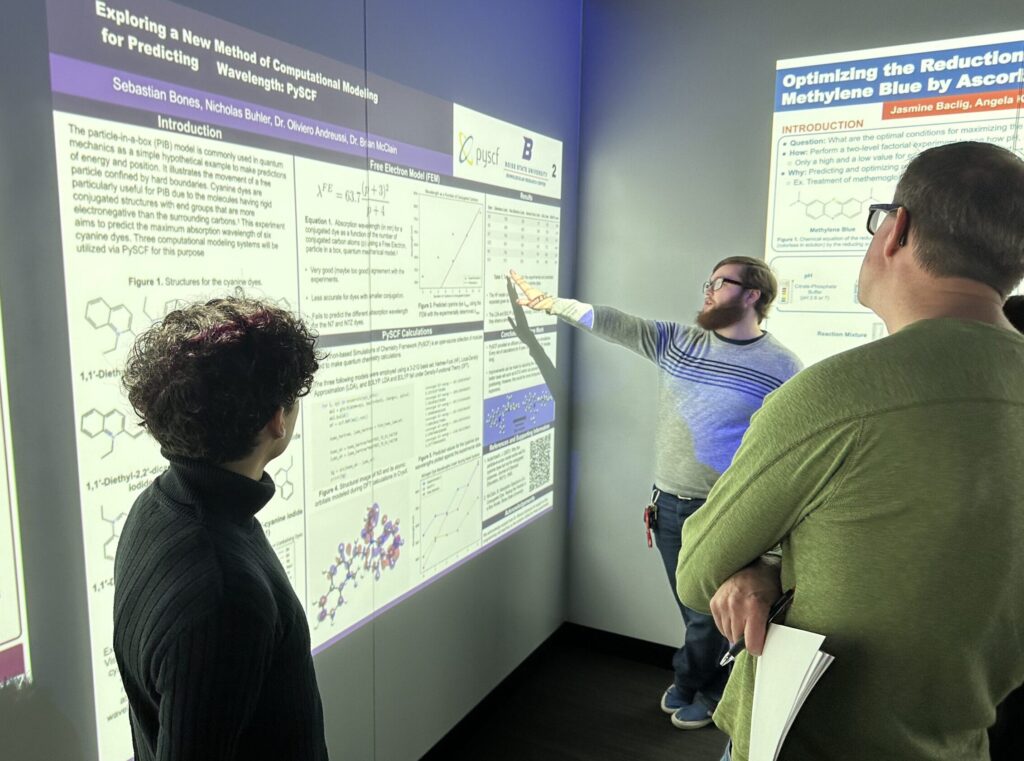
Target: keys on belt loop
<point x="651" y="517"/>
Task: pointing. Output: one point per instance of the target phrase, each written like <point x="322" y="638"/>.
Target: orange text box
<point x="952" y="104"/>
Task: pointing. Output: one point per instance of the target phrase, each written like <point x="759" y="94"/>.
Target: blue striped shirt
<point x="708" y="389"/>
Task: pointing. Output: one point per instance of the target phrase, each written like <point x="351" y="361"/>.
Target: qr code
<point x="540" y="462"/>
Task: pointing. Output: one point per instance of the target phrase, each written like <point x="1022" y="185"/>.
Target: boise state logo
<point x="527" y="148"/>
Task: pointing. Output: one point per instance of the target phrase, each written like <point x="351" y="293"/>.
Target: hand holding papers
<point x="790" y="666"/>
<point x="778" y="608"/>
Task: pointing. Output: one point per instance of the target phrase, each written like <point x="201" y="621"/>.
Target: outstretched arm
<point x="569" y="309"/>
<point x="648" y="338"/>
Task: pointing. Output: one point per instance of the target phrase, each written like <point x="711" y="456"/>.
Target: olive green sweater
<point x="893" y="476"/>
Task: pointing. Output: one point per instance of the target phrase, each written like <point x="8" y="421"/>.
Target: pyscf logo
<point x="527" y="148"/>
<point x="476" y="156"/>
<point x="465" y="149"/>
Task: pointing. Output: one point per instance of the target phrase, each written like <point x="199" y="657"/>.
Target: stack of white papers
<point x="790" y="666"/>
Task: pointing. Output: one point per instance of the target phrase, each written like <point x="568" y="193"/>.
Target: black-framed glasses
<point x="877" y="212"/>
<point x="717" y="283"/>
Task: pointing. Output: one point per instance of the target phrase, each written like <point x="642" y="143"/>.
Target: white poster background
<point x="13" y="615"/>
<point x="845" y="126"/>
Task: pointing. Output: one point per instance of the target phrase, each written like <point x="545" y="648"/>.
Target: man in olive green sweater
<point x="892" y="477"/>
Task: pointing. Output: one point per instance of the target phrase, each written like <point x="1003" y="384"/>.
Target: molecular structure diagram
<point x="118" y="319"/>
<point x="172" y="304"/>
<point x="169" y="306"/>
<point x="850" y="208"/>
<point x="285" y="487"/>
<point x="374" y="554"/>
<point x="110" y="424"/>
<point x="516" y="414"/>
<point x="116" y="524"/>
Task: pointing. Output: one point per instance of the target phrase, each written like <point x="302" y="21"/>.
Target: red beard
<point x="721" y="316"/>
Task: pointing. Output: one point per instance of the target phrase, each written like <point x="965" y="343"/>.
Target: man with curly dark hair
<point x="210" y="638"/>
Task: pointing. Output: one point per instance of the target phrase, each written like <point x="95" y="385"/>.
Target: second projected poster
<point x="845" y="126"/>
<point x="15" y="664"/>
<point x="195" y="157"/>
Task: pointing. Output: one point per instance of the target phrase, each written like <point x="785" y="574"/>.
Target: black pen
<point x="777" y="609"/>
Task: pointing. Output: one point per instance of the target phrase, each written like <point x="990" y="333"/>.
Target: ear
<point x="276" y="426"/>
<point x="896" y="238"/>
<point x="752" y="295"/>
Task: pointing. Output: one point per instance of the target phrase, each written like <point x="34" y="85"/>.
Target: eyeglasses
<point x="877" y="212"/>
<point x="717" y="283"/>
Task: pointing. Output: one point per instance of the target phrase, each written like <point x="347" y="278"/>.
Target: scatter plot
<point x="449" y="513"/>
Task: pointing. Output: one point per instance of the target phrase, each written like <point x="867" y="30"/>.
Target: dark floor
<point x="583" y="695"/>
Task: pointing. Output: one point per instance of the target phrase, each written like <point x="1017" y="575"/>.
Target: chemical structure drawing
<point x="116" y="524"/>
<point x="833" y="208"/>
<point x="172" y="304"/>
<point x="370" y="554"/>
<point x="110" y="424"/>
<point x="519" y="412"/>
<point x="169" y="306"/>
<point x="285" y="487"/>
<point x="118" y="319"/>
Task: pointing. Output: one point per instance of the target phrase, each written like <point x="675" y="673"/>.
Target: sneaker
<point x="692" y="716"/>
<point x="673" y="700"/>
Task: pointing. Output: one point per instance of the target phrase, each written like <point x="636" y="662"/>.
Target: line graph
<point x="449" y="516"/>
<point x="449" y="241"/>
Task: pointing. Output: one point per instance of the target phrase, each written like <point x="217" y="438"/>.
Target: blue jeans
<point x="696" y="662"/>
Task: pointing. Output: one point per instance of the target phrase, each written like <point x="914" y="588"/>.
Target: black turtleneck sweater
<point x="211" y="641"/>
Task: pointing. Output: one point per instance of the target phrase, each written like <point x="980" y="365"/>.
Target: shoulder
<point x="785" y="357"/>
<point x="836" y="387"/>
<point x="681" y="333"/>
<point x="173" y="570"/>
<point x="932" y="361"/>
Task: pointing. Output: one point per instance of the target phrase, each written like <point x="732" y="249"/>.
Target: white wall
<point x="675" y="132"/>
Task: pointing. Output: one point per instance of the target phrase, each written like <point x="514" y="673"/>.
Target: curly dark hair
<point x="207" y="378"/>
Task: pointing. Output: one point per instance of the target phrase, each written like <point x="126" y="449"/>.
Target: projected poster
<point x="14" y="654"/>
<point x="194" y="157"/>
<point x="845" y="126"/>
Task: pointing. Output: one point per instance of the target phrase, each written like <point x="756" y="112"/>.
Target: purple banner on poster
<point x="100" y="83"/>
<point x="12" y="663"/>
<point x="511" y="414"/>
